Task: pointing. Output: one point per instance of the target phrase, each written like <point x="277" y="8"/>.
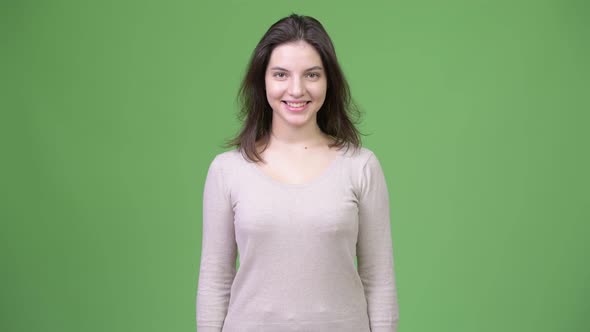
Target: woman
<point x="299" y="199"/>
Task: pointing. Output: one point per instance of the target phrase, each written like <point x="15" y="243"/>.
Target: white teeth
<point x="296" y="104"/>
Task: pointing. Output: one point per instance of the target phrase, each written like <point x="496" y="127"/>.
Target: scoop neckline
<point x="317" y="179"/>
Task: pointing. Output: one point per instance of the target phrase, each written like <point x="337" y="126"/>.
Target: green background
<point x="113" y="110"/>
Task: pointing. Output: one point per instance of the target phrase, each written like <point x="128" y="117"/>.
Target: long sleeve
<point x="375" y="249"/>
<point x="218" y="254"/>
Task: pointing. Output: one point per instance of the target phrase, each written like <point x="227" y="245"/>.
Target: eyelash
<point x="282" y="75"/>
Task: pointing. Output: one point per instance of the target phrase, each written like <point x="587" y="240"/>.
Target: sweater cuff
<point x="208" y="329"/>
<point x="384" y="329"/>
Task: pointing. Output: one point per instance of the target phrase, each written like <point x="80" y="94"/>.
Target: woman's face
<point x="296" y="84"/>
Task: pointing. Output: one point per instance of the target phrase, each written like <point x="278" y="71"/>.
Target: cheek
<point x="319" y="91"/>
<point x="273" y="92"/>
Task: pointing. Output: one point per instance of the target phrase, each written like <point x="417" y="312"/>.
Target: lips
<point x="295" y="104"/>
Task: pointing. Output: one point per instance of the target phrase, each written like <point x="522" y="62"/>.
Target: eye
<point x="313" y="75"/>
<point x="279" y="74"/>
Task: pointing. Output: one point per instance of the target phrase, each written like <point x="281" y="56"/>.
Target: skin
<point x="298" y="150"/>
<point x="295" y="73"/>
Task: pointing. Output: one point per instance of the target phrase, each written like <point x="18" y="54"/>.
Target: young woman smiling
<point x="298" y="199"/>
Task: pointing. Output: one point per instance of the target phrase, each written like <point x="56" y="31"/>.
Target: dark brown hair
<point x="333" y="118"/>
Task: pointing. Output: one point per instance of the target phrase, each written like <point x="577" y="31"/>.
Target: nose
<point x="296" y="87"/>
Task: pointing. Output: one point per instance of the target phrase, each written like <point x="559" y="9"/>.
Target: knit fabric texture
<point x="296" y="245"/>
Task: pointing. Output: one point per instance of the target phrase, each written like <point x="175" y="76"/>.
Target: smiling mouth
<point x="297" y="104"/>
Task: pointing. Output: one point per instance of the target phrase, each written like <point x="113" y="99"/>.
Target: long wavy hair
<point x="338" y="115"/>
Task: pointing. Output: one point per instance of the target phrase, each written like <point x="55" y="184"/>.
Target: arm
<point x="218" y="254"/>
<point x="375" y="250"/>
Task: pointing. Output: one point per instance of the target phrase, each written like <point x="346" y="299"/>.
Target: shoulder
<point x="226" y="159"/>
<point x="363" y="166"/>
<point x="359" y="163"/>
<point x="225" y="163"/>
<point x="359" y="157"/>
<point x="222" y="169"/>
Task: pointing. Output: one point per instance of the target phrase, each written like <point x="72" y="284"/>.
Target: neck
<point x="297" y="138"/>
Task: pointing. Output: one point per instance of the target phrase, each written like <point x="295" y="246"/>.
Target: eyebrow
<point x="309" y="69"/>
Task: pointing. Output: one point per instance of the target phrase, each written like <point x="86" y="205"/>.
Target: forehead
<point x="295" y="55"/>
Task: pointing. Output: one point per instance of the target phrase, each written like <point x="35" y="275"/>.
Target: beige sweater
<point x="297" y="245"/>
